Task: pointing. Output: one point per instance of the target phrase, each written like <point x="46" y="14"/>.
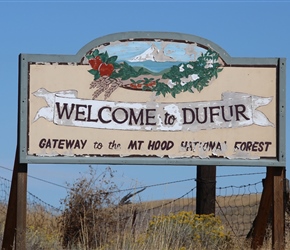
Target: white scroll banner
<point x="233" y="110"/>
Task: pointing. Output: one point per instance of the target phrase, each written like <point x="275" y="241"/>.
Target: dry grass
<point x="43" y="230"/>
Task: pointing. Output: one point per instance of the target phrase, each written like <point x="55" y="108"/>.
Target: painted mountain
<point x="152" y="54"/>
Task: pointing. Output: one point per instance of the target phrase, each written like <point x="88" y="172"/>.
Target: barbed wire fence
<point x="237" y="206"/>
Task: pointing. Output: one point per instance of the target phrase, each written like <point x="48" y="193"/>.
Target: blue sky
<point x="241" y="28"/>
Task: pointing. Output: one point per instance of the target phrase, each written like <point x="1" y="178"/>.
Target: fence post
<point x="205" y="189"/>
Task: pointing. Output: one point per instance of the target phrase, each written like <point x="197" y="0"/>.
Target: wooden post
<point x="21" y="207"/>
<point x="260" y="223"/>
<point x="278" y="230"/>
<point x="206" y="189"/>
<point x="10" y="223"/>
<point x="15" y="224"/>
<point x="272" y="197"/>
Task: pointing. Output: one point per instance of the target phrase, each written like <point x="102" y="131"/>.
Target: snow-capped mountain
<point x="152" y="54"/>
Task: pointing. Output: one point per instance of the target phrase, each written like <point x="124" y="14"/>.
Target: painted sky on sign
<point x="178" y="51"/>
<point x="242" y="28"/>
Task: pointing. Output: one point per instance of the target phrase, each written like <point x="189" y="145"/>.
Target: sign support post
<point x="272" y="200"/>
<point x="278" y="241"/>
<point x="15" y="225"/>
<point x="205" y="189"/>
<point x="21" y="207"/>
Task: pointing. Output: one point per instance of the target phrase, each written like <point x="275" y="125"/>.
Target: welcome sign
<point x="159" y="98"/>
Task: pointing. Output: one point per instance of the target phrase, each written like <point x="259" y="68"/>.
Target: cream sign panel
<point x="152" y="97"/>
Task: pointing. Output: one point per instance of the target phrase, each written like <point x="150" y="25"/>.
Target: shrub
<point x="186" y="230"/>
<point x="90" y="215"/>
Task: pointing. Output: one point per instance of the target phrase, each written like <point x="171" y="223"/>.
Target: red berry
<point x="95" y="62"/>
<point x="106" y="69"/>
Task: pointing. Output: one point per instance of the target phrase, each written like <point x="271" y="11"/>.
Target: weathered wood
<point x="260" y="223"/>
<point x="21" y="207"/>
<point x="15" y="224"/>
<point x="205" y="189"/>
<point x="278" y="239"/>
<point x="10" y="223"/>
